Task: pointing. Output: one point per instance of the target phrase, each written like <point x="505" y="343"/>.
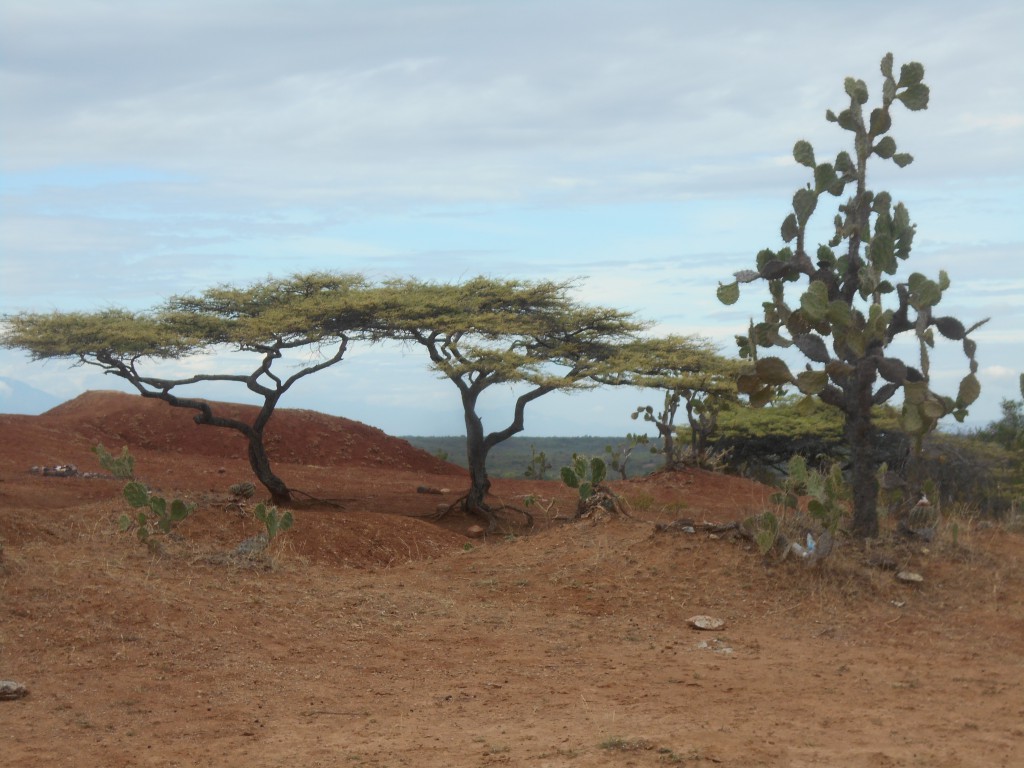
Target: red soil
<point x="373" y="636"/>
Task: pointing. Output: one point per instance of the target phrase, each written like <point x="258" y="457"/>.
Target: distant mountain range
<point x="19" y="397"/>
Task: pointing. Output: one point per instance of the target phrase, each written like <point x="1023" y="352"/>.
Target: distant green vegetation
<point x="512" y="457"/>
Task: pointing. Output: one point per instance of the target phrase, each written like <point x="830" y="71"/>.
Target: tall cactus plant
<point x="851" y="296"/>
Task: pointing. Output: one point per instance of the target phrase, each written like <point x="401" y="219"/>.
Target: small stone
<point x="707" y="623"/>
<point x="10" y="690"/>
<point x="475" y="531"/>
<point x="910" y="577"/>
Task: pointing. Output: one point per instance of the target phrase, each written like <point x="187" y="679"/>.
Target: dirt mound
<point x="293" y="436"/>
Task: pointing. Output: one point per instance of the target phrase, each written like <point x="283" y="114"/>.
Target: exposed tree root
<point x="600" y="504"/>
<point x="689" y="526"/>
<point x="311" y="499"/>
<point x="481" y="509"/>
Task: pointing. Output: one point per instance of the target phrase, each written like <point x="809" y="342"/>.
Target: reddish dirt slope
<point x="371" y="636"/>
<point x="293" y="436"/>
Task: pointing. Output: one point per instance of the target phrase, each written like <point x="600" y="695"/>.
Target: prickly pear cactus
<point x="161" y="516"/>
<point x="849" y="304"/>
<point x="274" y="522"/>
<point x="584" y="474"/>
<point x="122" y="466"/>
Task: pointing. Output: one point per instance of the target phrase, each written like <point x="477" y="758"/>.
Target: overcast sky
<point x="153" y="148"/>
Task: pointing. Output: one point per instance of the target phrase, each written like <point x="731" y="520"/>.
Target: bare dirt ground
<point x="372" y="637"/>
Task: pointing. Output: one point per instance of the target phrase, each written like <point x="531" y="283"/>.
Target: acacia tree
<point x="845" y="294"/>
<point x="320" y="311"/>
<point x="690" y="374"/>
<point x="487" y="332"/>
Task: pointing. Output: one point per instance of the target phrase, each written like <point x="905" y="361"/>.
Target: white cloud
<point x="156" y="148"/>
<point x="1000" y="372"/>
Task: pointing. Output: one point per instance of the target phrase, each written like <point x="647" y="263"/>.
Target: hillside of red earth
<point x="379" y="632"/>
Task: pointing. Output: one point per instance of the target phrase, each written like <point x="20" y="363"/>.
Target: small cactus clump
<point x="121" y="467"/>
<point x="242" y="490"/>
<point x="275" y="523"/>
<point x="584" y="475"/>
<point x="158" y="517"/>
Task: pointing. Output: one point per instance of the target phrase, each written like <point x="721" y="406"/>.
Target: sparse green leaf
<point x="179" y="510"/>
<point x="814" y="301"/>
<point x="886" y="147"/>
<point x="970" y="389"/>
<point x="887" y="65"/>
<point x="892" y="369"/>
<point x="839" y="314"/>
<point x="838" y="370"/>
<point x="911" y="74"/>
<point x="762" y="397"/>
<point x="816" y="509"/>
<point x="813" y="347"/>
<point x="880" y="121"/>
<point x="824" y="178"/>
<point x="772" y="371"/>
<point x="889" y="90"/>
<point x="804" y="203"/>
<point x="729" y="293"/>
<point x="950" y="327"/>
<point x="845" y="165"/>
<point x="811" y="382"/>
<point x="847" y="120"/>
<point x="970" y="347"/>
<point x="911" y="420"/>
<point x="857" y="90"/>
<point x="789" y="229"/>
<point x="933" y="408"/>
<point x="923" y="291"/>
<point x="803" y="153"/>
<point x="136" y="494"/>
<point x="748" y="383"/>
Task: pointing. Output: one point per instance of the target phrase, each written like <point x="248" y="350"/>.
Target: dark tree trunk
<point x="860" y="434"/>
<point x="476" y="459"/>
<point x="668" y="445"/>
<point x="260" y="463"/>
<point x="478" y="445"/>
<point x="667" y="430"/>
